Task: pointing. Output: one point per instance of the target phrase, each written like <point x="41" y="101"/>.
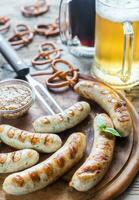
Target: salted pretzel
<point x="23" y="35"/>
<point x="48" y="29"/>
<point x="4" y="23"/>
<point x="39" y="8"/>
<point x="47" y="53"/>
<point x="59" y="78"/>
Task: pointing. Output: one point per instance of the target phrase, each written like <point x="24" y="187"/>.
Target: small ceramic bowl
<point x="23" y="104"/>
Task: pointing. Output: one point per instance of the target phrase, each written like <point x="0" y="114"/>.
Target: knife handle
<point x="12" y="58"/>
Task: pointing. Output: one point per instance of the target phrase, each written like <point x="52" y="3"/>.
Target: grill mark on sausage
<point x="60" y="117"/>
<point x="100" y="158"/>
<point x="22" y="136"/>
<point x="47" y="140"/>
<point x="48" y="169"/>
<point x="90" y="169"/>
<point x="18" y="180"/>
<point x="17" y="156"/>
<point x="34" y="176"/>
<point x="30" y="154"/>
<point x="3" y="158"/>
<point x="11" y="132"/>
<point x="73" y="150"/>
<point x="46" y="120"/>
<point x="60" y="160"/>
<point x="120" y="104"/>
<point x="35" y="139"/>
<point x="107" y="146"/>
<point x="124" y="118"/>
<point x="12" y="155"/>
<point x="80" y="107"/>
<point x="121" y="108"/>
<point x="71" y="113"/>
<point x="85" y="94"/>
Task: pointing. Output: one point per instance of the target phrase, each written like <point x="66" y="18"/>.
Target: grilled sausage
<point x="18" y="160"/>
<point x="63" y="121"/>
<point x="110" y="101"/>
<point x="48" y="171"/>
<point x="96" y="165"/>
<point x="20" y="139"/>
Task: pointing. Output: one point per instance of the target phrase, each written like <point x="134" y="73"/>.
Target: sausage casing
<point x="20" y="139"/>
<point x="63" y="121"/>
<point x="110" y="101"/>
<point x="48" y="171"/>
<point x="96" y="165"/>
<point x="18" y="160"/>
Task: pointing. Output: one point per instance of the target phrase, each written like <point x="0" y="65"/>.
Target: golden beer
<point x="110" y="47"/>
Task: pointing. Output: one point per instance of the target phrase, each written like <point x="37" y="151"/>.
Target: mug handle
<point x="127" y="51"/>
<point x="64" y="23"/>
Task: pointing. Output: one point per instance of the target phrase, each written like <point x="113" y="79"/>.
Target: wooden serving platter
<point x="123" y="169"/>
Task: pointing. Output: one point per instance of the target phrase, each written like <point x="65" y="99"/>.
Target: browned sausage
<point x="48" y="171"/>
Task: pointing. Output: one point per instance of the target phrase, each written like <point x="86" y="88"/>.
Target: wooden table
<point x="11" y="8"/>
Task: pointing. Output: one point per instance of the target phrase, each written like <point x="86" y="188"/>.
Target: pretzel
<point x="47" y="46"/>
<point x="47" y="29"/>
<point x="23" y="35"/>
<point x="46" y="52"/>
<point x="42" y="55"/>
<point x="39" y="8"/>
<point x="4" y="23"/>
<point x="67" y="78"/>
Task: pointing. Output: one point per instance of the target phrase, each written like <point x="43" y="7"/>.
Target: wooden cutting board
<point x="123" y="169"/>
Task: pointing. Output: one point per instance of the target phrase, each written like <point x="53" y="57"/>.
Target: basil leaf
<point x="103" y="127"/>
<point x="100" y="123"/>
<point x="112" y="131"/>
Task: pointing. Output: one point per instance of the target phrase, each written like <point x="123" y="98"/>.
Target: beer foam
<point x="118" y="10"/>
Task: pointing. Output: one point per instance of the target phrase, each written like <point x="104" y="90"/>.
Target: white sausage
<point x="96" y="165"/>
<point x="20" y="139"/>
<point x="110" y="101"/>
<point x="63" y="121"/>
<point x="18" y="160"/>
<point x="48" y="171"/>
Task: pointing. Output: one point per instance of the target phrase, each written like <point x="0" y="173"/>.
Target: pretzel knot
<point x="47" y="53"/>
<point x="23" y="35"/>
<point x="39" y="8"/>
<point x="4" y="23"/>
<point x="48" y="29"/>
<point x="62" y="78"/>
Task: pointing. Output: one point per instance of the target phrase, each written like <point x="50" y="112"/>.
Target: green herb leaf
<point x="100" y="123"/>
<point x="103" y="127"/>
<point x="112" y="131"/>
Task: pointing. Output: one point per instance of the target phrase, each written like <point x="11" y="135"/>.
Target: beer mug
<point x="77" y="26"/>
<point x="117" y="42"/>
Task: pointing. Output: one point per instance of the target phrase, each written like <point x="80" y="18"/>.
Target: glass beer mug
<point x="77" y="26"/>
<point x="117" y="42"/>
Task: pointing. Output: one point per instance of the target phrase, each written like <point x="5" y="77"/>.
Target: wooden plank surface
<point x="11" y="8"/>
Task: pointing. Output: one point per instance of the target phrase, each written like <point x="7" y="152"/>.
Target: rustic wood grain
<point x="11" y="9"/>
